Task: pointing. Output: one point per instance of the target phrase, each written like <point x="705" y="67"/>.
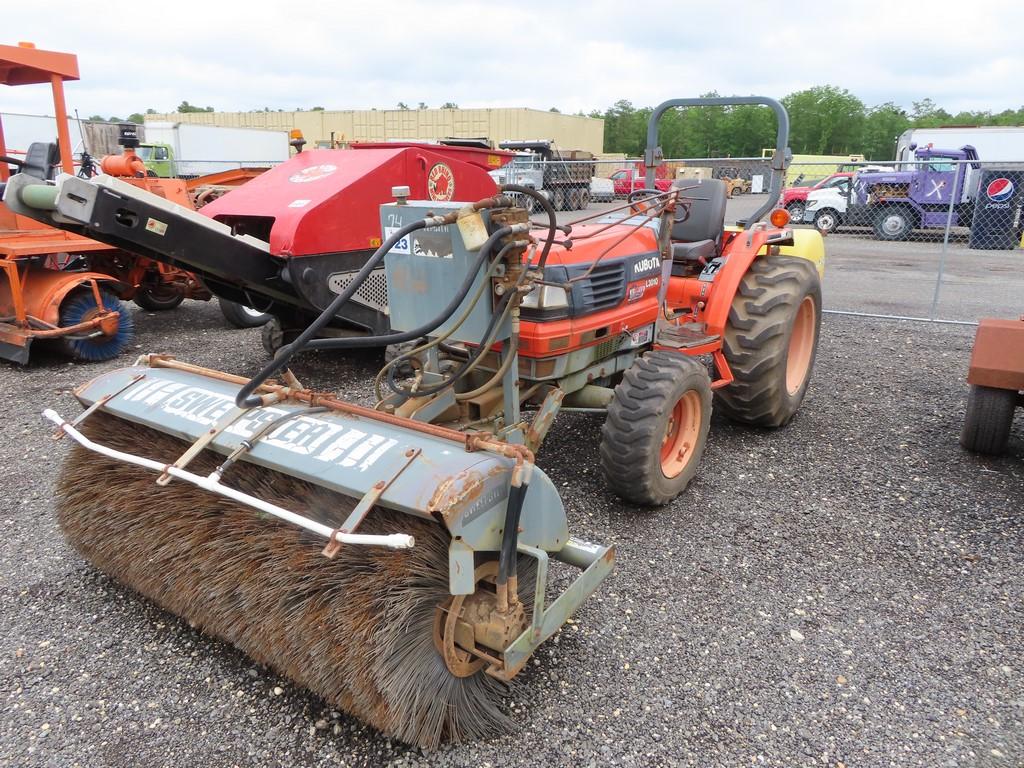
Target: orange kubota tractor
<point x="644" y="314"/>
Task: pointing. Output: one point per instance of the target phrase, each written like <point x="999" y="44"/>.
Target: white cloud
<point x="572" y="55"/>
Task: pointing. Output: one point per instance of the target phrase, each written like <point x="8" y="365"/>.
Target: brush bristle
<point x="79" y="307"/>
<point x="356" y="630"/>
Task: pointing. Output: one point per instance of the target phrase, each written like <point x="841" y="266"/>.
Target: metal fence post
<point x="945" y="242"/>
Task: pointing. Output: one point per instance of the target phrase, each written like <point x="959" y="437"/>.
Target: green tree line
<point x="823" y="120"/>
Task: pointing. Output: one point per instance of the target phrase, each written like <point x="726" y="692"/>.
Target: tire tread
<point x="633" y="430"/>
<point x="756" y="339"/>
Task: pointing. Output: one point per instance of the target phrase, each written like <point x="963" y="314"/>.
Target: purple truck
<point x="897" y="202"/>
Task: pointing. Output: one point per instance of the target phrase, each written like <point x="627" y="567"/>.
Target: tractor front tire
<point x="988" y="420"/>
<point x="657" y="426"/>
<point x="771" y="339"/>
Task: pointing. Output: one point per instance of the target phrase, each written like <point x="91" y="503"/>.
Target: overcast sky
<point x="570" y="55"/>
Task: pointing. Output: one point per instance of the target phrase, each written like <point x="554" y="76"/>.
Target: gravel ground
<point x="845" y="591"/>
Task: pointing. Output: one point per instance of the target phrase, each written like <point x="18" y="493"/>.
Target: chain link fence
<point x="936" y="238"/>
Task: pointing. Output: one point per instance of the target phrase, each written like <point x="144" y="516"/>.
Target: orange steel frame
<point x="24" y="64"/>
<point x="739" y="251"/>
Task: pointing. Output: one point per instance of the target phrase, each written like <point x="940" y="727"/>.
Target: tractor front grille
<point x="604" y="288"/>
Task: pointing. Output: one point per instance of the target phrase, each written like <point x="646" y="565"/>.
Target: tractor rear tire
<point x="988" y="420"/>
<point x="657" y="426"/>
<point x="770" y="341"/>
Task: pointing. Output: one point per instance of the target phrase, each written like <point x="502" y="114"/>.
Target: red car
<point x="794" y="198"/>
<point x="628" y="180"/>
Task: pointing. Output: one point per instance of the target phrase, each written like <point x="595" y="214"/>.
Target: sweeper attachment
<point x="396" y="567"/>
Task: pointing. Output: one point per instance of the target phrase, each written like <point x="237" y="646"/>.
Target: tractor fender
<point x="44" y="290"/>
<point x="741" y="252"/>
<point x="807" y="244"/>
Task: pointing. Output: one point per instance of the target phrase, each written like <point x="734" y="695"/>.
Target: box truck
<point x="186" y="151"/>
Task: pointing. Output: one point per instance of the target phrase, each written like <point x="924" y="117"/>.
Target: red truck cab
<point x="628" y="180"/>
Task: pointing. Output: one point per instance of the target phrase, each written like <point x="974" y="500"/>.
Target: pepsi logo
<point x="999" y="190"/>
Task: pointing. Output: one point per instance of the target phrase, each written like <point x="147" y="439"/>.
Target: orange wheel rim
<point x="801" y="346"/>
<point x="681" y="434"/>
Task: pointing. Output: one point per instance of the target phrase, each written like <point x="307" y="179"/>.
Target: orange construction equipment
<point x="150" y="284"/>
<point x="37" y="301"/>
<point x="47" y="275"/>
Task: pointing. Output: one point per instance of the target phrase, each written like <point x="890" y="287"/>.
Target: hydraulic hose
<point x="510" y="536"/>
<point x="548" y="208"/>
<point x="510" y="355"/>
<point x="438" y="341"/>
<point x="245" y="397"/>
<point x="359" y="342"/>
<point x="500" y="313"/>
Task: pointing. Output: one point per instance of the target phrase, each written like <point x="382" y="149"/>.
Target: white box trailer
<point x="22" y="130"/>
<point x="196" y="150"/>
<point x="995" y="143"/>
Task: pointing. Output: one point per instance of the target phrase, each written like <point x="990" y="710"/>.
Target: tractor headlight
<point x="546" y="297"/>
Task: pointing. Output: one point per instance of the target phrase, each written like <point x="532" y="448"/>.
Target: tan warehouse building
<point x="320" y="127"/>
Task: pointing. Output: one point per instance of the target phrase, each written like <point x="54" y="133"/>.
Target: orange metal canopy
<point x="25" y="64"/>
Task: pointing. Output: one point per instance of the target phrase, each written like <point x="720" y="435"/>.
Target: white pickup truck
<point x="826" y="208"/>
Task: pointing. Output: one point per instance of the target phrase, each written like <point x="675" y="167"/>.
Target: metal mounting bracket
<point x="359" y="513"/>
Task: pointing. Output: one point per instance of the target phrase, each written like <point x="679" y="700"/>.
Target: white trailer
<point x="995" y="143"/>
<point x="22" y="130"/>
<point x="196" y="150"/>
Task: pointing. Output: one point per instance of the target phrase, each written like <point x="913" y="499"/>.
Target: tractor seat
<point x="40" y="160"/>
<point x="697" y="238"/>
<point x="702" y="250"/>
